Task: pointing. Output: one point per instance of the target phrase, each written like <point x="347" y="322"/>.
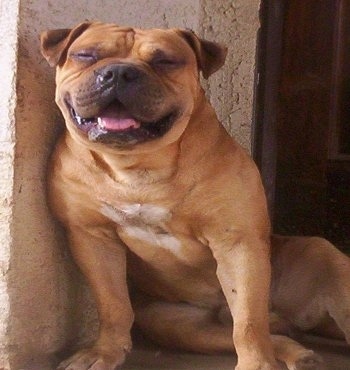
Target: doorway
<point x="302" y="121"/>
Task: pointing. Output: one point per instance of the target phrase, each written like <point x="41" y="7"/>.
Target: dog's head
<point x="127" y="88"/>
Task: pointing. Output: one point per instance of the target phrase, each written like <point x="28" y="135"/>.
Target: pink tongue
<point x="116" y="118"/>
<point x="116" y="124"/>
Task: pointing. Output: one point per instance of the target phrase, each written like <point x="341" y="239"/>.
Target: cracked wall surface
<point x="43" y="299"/>
<point x="231" y="90"/>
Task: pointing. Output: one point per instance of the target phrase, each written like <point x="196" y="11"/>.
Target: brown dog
<point x="148" y="183"/>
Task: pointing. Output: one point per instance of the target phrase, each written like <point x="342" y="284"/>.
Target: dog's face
<point x="125" y="88"/>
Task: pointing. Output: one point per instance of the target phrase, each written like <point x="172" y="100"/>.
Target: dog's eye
<point x="85" y="56"/>
<point x="162" y="61"/>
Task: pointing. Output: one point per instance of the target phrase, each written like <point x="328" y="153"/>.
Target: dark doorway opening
<point x="302" y="116"/>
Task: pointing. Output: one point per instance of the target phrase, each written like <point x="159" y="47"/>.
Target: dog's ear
<point x="210" y="55"/>
<point x="55" y="43"/>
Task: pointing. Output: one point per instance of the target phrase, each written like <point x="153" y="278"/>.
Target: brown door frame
<point x="266" y="94"/>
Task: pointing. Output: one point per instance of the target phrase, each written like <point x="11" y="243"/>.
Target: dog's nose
<point x="117" y="74"/>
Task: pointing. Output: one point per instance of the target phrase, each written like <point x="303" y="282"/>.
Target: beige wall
<point x="8" y="70"/>
<point x="41" y="294"/>
<point x="235" y="23"/>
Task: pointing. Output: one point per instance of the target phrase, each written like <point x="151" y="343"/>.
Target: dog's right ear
<point x="55" y="43"/>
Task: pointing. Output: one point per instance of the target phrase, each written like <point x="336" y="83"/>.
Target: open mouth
<point x="114" y="125"/>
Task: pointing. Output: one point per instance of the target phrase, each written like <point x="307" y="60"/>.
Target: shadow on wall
<point x="46" y="291"/>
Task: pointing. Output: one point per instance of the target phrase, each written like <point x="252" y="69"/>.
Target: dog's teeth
<point x="99" y="122"/>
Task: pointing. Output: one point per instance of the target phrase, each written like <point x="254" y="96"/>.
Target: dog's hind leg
<point x="339" y="310"/>
<point x="183" y="326"/>
<point x="191" y="328"/>
<point x="337" y="295"/>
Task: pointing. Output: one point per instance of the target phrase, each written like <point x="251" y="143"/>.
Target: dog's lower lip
<point x="96" y="131"/>
<point x="84" y="124"/>
<point x="87" y="123"/>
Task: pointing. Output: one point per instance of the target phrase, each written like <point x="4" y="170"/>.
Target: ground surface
<point x="336" y="356"/>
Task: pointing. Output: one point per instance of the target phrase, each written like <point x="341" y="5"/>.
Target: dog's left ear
<point x="210" y="55"/>
<point x="55" y="43"/>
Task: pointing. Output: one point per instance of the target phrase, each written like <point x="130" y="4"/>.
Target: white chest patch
<point x="136" y="214"/>
<point x="144" y="222"/>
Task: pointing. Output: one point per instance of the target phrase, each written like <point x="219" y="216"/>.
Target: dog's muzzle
<point x="124" y="106"/>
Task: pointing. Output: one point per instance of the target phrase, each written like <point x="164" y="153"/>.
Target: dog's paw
<point x="93" y="359"/>
<point x="309" y="361"/>
<point x="265" y="366"/>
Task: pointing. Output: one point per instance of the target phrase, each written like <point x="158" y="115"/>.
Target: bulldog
<point x="153" y="191"/>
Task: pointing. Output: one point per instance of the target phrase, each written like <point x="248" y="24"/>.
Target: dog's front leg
<point x="103" y="262"/>
<point x="243" y="269"/>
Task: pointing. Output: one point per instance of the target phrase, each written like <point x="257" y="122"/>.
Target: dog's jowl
<point x="151" y="189"/>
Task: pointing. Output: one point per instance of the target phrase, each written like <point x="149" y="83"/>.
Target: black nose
<point x="117" y="74"/>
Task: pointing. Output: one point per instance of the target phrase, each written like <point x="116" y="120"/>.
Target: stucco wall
<point x="8" y="47"/>
<point x="43" y="297"/>
<point x="235" y="23"/>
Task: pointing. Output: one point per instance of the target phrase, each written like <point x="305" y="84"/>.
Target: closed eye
<point x="85" y="56"/>
<point x="163" y="61"/>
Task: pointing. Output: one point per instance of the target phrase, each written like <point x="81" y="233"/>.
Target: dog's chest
<point x="144" y="222"/>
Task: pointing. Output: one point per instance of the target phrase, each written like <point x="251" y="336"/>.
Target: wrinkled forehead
<point x="113" y="37"/>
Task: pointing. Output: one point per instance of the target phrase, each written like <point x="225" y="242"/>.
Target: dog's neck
<point x="146" y="167"/>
